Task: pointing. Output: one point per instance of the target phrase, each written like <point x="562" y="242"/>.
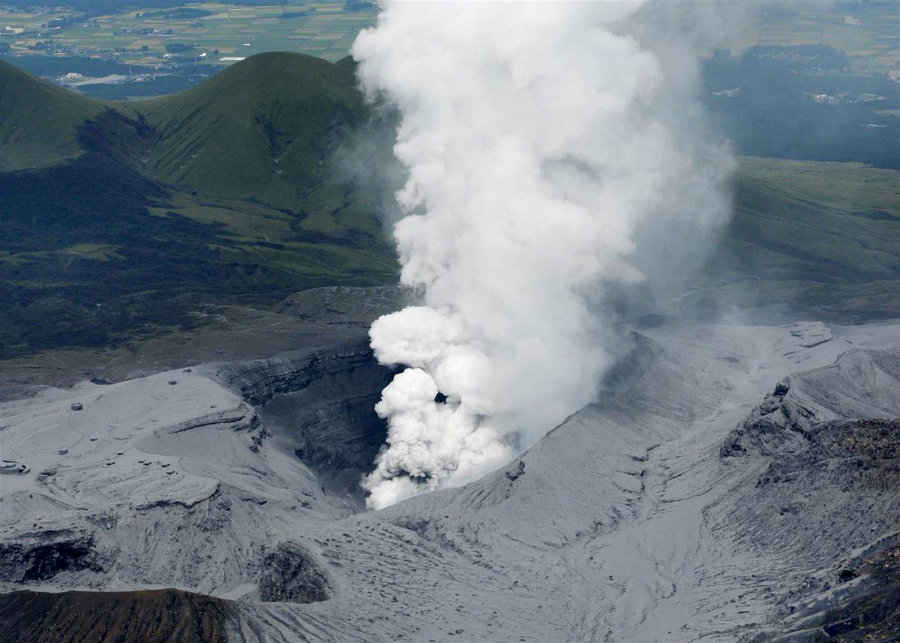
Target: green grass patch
<point x="811" y="237"/>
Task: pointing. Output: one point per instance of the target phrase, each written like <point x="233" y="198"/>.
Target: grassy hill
<point x="260" y="129"/>
<point x="810" y="238"/>
<point x="120" y="218"/>
<point x="38" y="120"/>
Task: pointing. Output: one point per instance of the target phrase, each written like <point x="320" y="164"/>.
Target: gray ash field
<point x="721" y="511"/>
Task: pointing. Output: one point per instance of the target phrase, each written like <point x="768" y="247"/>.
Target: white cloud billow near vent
<point x="539" y="142"/>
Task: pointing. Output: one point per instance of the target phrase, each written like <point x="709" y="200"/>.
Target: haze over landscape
<point x="486" y="321"/>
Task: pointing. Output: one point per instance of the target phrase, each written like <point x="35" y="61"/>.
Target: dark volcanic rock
<point x="874" y="613"/>
<point x="854" y="453"/>
<point x="259" y="381"/>
<point x="860" y="385"/>
<point x="320" y="405"/>
<point x="331" y="432"/>
<point x="827" y="447"/>
<point x="44" y="555"/>
<point x="159" y="616"/>
<point x="291" y="574"/>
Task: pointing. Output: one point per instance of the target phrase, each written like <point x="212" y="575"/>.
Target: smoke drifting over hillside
<point x="549" y="154"/>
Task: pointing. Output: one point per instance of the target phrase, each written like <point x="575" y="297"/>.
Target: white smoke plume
<point x="540" y="143"/>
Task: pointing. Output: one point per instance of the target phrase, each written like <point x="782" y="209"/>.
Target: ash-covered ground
<point x="731" y="482"/>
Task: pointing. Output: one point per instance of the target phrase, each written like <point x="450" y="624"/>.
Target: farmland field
<point x="210" y="30"/>
<point x="868" y="32"/>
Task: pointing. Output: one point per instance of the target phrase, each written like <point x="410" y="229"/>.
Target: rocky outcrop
<point x="873" y="613"/>
<point x="860" y="385"/>
<point x="775" y="426"/>
<point x="241" y="418"/>
<point x="291" y="574"/>
<point x="259" y="381"/>
<point x="826" y="496"/>
<point x="320" y="405"/>
<point x="42" y="555"/>
<point x="855" y="453"/>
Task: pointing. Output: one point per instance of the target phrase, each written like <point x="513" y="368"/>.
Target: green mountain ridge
<point x="125" y="220"/>
<point x="121" y="216"/>
<point x="261" y="128"/>
<point x="38" y="120"/>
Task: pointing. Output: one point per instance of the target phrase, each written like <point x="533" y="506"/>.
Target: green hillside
<point x="38" y="120"/>
<point x="139" y="212"/>
<point x="262" y="128"/>
<point x="809" y="238"/>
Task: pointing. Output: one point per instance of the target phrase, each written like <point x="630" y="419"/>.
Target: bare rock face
<point x="292" y="575"/>
<point x="830" y="510"/>
<point x="851" y="453"/>
<point x="261" y="380"/>
<point x="40" y="556"/>
<point x="860" y="385"/>
<point x="872" y="613"/>
<point x="319" y="405"/>
<point x="124" y="617"/>
<point x="827" y="495"/>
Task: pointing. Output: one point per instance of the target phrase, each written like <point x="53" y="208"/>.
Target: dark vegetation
<point x="178" y="47"/>
<point x="38" y="121"/>
<point x="800" y="102"/>
<point x="156" y="616"/>
<point x="54" y="66"/>
<point x="179" y="13"/>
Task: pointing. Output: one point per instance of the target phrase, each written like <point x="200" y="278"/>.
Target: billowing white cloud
<point x="540" y="147"/>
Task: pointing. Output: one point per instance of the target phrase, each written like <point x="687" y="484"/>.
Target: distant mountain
<point x="262" y="128"/>
<point x="38" y="120"/>
<point x="111" y="212"/>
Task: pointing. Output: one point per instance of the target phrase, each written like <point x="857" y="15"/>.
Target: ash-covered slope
<point x="174" y="480"/>
<point x="624" y="523"/>
<point x="825" y="448"/>
<point x="709" y="496"/>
